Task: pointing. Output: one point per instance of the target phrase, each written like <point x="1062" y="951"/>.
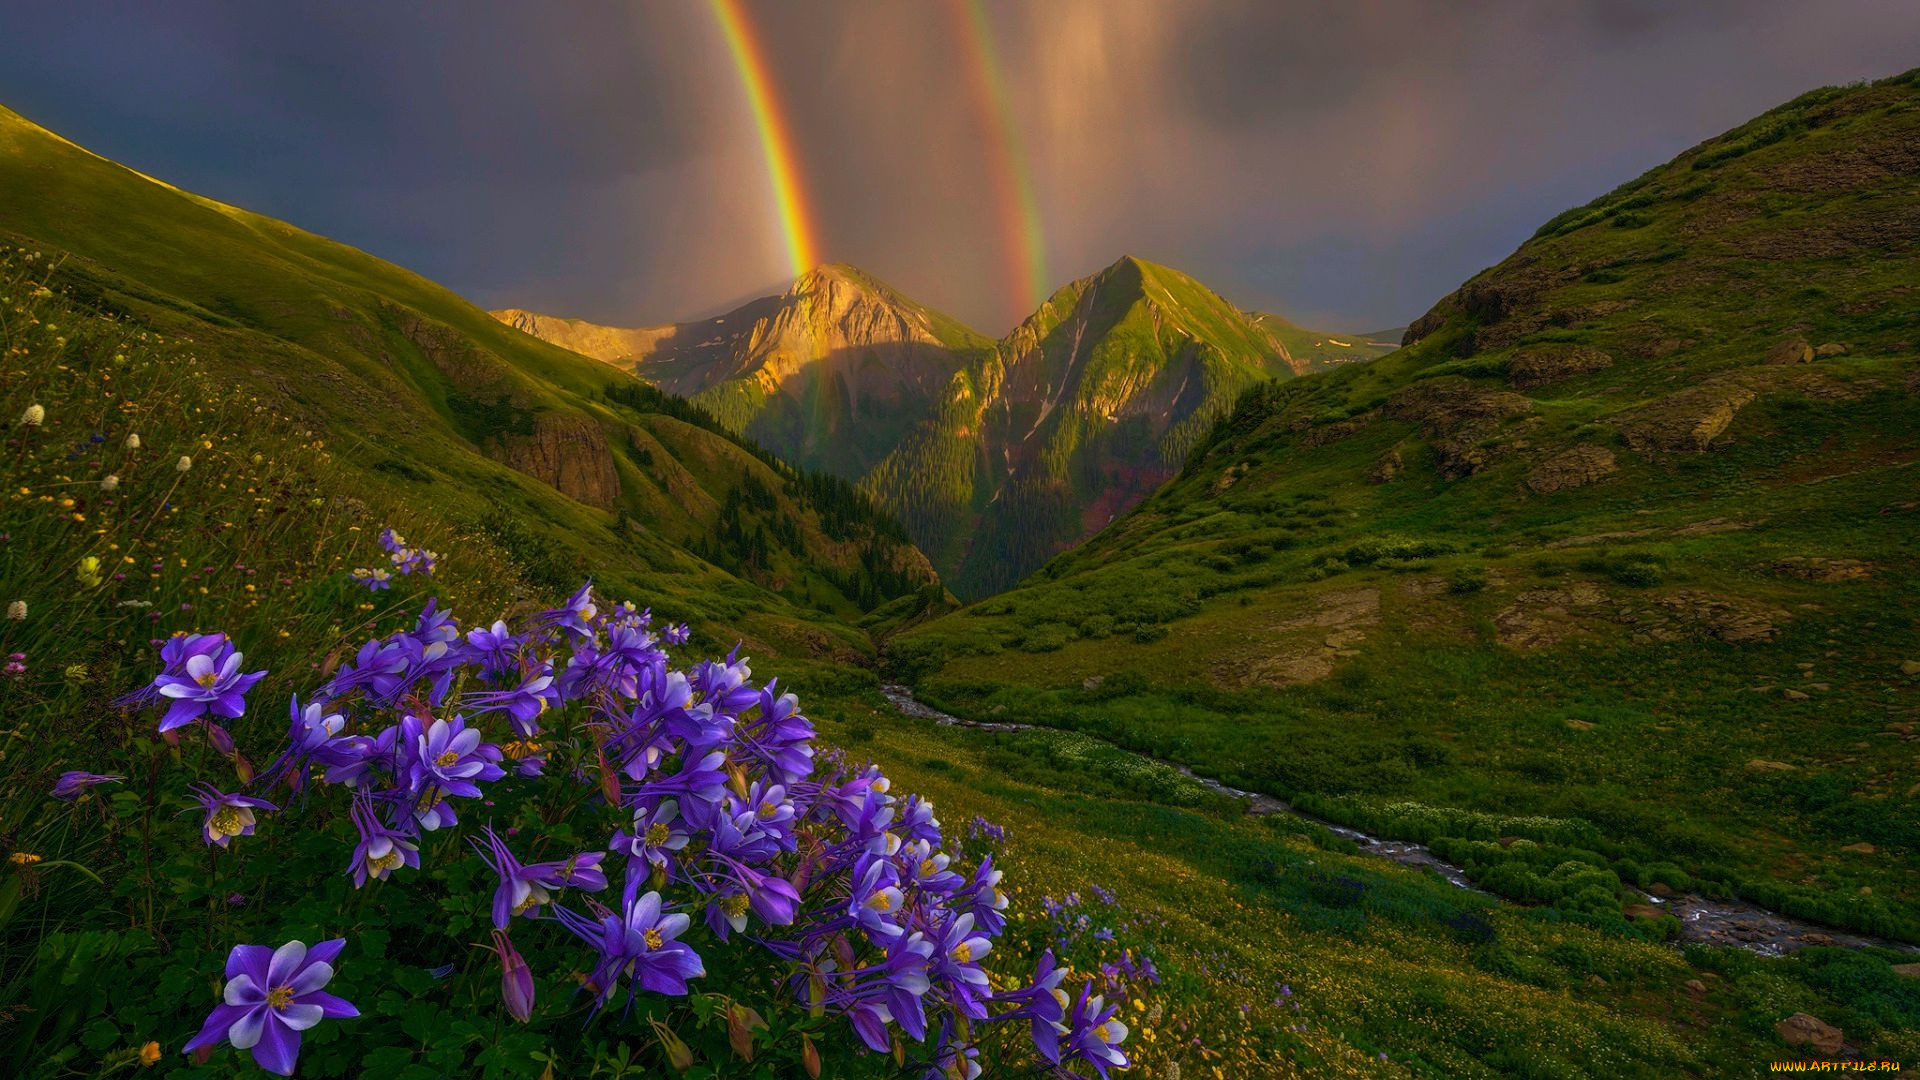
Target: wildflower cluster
<point x="404" y="559"/>
<point x="727" y="831"/>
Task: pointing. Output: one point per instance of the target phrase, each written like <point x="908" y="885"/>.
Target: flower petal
<point x="311" y="978"/>
<point x="242" y="990"/>
<point x="336" y="1008"/>
<point x="302" y="1015"/>
<point x="279" y="1048"/>
<point x="326" y="952"/>
<point x="216" y="1027"/>
<point x="246" y="1031"/>
<point x="288" y="959"/>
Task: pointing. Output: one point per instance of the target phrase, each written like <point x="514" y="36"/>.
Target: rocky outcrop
<point x="567" y="453"/>
<point x="1729" y="619"/>
<point x="1686" y="422"/>
<point x="1584" y="464"/>
<point x="1387" y="468"/>
<point x="1802" y="1029"/>
<point x="1459" y="418"/>
<point x="1544" y="365"/>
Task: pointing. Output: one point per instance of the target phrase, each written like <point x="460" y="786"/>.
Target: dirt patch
<point x="1302" y="646"/>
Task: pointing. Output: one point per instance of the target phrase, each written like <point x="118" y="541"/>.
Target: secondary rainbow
<point x="1026" y="244"/>
<point x="776" y="141"/>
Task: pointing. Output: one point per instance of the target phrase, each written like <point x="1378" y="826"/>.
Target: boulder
<point x="1861" y="848"/>
<point x="1578" y="467"/>
<point x="1642" y="911"/>
<point x="1907" y="971"/>
<point x="1831" y="348"/>
<point x="1793" y="695"/>
<point x="1910" y="667"/>
<point x="1543" y="365"/>
<point x="1791" y="351"/>
<point x="1696" y="986"/>
<point x="1802" y="1029"/>
<point x="1762" y="765"/>
<point x="1580" y="725"/>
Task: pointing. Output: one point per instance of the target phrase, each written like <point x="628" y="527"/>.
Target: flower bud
<point x="516" y="978"/>
<point x="34" y="415"/>
<point x="133" y="441"/>
<point x="111" y="481"/>
<point x="17" y="610"/>
<point x="183" y="464"/>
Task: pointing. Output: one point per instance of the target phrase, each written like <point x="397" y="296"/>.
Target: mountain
<point x="1623" y="537"/>
<point x="995" y="455"/>
<point x="429" y="403"/>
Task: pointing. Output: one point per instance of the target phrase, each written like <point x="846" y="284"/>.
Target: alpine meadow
<point x="404" y="685"/>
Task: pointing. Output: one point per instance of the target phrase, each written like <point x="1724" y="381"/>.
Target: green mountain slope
<point x="1624" y="534"/>
<point x="432" y="402"/>
<point x="1318" y="350"/>
<point x="996" y="456"/>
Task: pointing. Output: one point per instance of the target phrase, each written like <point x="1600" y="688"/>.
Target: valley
<point x="1537" y="697"/>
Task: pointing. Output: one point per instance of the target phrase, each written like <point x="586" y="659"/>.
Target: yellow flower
<point x="22" y="858"/>
<point x="150" y="1055"/>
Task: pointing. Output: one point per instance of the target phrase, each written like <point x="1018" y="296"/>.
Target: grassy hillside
<point x="1625" y="535"/>
<point x="435" y="402"/>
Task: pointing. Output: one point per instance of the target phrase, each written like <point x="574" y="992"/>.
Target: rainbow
<point x="1026" y="245"/>
<point x="776" y="140"/>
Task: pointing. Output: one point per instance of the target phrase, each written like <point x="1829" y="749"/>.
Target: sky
<point x="1344" y="164"/>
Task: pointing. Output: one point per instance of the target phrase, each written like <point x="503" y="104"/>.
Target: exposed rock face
<point x="568" y="453"/>
<point x="1791" y="351"/>
<point x="1686" y="422"/>
<point x="1543" y="365"/>
<point x="1578" y="467"/>
<point x="1732" y="621"/>
<point x="1459" y="418"/>
<point x="613" y="344"/>
<point x="1802" y="1029"/>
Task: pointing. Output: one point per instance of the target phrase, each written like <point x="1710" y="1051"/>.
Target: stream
<point x="1702" y="920"/>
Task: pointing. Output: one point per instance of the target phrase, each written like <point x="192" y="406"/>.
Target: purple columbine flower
<point x="72" y="785"/>
<point x="271" y="996"/>
<point x="655" y="837"/>
<point x="228" y="816"/>
<point x="525" y="888"/>
<point x="638" y="942"/>
<point x="381" y="850"/>
<point x="1094" y="1034"/>
<point x="206" y="686"/>
<point x="450" y="755"/>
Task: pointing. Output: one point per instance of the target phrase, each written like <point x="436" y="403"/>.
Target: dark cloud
<point x="1346" y="162"/>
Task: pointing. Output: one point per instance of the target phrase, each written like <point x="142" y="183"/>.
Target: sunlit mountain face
<point x="742" y="540"/>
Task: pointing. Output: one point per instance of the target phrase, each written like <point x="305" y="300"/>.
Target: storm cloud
<point x="1344" y="164"/>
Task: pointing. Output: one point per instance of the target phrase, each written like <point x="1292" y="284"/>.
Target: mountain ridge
<point x="994" y="453"/>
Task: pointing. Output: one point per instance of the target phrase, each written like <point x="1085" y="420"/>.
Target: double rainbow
<point x="1024" y="241"/>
